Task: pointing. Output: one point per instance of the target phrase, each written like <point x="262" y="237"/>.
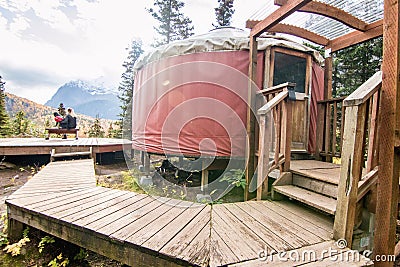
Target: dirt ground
<point x="13" y="177"/>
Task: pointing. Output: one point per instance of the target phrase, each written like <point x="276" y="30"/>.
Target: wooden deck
<point x="141" y="230"/>
<point x="40" y="146"/>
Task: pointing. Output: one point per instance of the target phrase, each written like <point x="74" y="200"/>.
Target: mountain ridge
<point x="39" y="114"/>
<point x="87" y="98"/>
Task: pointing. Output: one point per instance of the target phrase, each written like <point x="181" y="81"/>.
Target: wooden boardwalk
<point x="40" y="146"/>
<point x="141" y="230"/>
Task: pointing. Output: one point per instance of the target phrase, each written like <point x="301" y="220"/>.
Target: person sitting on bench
<point x="57" y="118"/>
<point x="69" y="122"/>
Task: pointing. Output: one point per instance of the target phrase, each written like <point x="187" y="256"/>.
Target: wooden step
<point x="72" y="154"/>
<point x="318" y="201"/>
<point x="317" y="170"/>
<point x="317" y="186"/>
<point x="54" y="155"/>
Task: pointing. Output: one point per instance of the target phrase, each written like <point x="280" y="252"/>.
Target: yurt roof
<point x="221" y="39"/>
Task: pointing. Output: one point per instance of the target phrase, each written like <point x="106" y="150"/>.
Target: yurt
<point x="191" y="96"/>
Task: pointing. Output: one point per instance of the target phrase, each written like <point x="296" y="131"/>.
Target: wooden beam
<point x="372" y="31"/>
<point x="293" y="30"/>
<point x="277" y="16"/>
<point x="330" y="12"/>
<point x="250" y="126"/>
<point x="388" y="181"/>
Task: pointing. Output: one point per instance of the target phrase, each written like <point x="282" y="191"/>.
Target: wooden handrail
<point x="276" y="88"/>
<point x="332" y="100"/>
<point x="362" y="112"/>
<point x="365" y="91"/>
<point x="276" y="112"/>
<point x="367" y="182"/>
<point x="273" y="103"/>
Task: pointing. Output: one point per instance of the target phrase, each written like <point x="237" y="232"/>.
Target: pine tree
<point x="355" y="65"/>
<point x="173" y="24"/>
<point x="126" y="88"/>
<point x="96" y="130"/>
<point x="224" y="13"/>
<point x="20" y="124"/>
<point x="4" y="118"/>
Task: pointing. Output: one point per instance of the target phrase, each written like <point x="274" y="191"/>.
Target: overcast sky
<point x="46" y="43"/>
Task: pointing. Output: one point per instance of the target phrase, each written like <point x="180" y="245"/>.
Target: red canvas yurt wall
<point x="190" y="96"/>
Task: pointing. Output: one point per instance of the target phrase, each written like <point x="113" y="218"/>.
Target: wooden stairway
<point x="54" y="155"/>
<point x="314" y="183"/>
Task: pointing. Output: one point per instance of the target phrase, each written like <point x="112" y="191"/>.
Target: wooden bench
<point x="61" y="131"/>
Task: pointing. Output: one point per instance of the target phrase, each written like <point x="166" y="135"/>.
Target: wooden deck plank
<point x="241" y="240"/>
<point x="56" y="202"/>
<point x="41" y="199"/>
<point x="100" y="206"/>
<point x="271" y="239"/>
<point x="288" y="226"/>
<point x="140" y="220"/>
<point x="109" y="212"/>
<point x="318" y="219"/>
<point x="198" y="251"/>
<point x="84" y="204"/>
<point x="300" y="221"/>
<point x="220" y="253"/>
<point x="117" y="220"/>
<point x="276" y="223"/>
<point x="182" y="237"/>
<point x="158" y="224"/>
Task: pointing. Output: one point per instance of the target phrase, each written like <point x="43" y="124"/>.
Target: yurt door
<point x="292" y="66"/>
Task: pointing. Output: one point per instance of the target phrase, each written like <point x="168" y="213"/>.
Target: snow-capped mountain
<point x="87" y="98"/>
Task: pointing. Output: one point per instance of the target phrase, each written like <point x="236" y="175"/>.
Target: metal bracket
<point x="292" y="94"/>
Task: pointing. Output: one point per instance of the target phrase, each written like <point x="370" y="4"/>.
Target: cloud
<point x="46" y="43"/>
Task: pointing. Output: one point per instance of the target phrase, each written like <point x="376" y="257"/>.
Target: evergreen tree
<point x="126" y="88"/>
<point x="355" y="65"/>
<point x="173" y="24"/>
<point x="223" y="13"/>
<point x="96" y="130"/>
<point x="20" y="124"/>
<point x="4" y="118"/>
<point x="113" y="132"/>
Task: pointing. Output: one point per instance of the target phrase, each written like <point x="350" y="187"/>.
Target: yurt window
<point x="289" y="68"/>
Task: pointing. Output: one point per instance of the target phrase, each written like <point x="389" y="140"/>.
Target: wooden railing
<point x="359" y="151"/>
<point x="330" y="124"/>
<point x="275" y="134"/>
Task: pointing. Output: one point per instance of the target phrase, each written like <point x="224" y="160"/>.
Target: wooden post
<point x="320" y="130"/>
<point x="350" y="174"/>
<point x="327" y="95"/>
<point x="287" y="133"/>
<point x="264" y="141"/>
<point x="15" y="229"/>
<point x="146" y="165"/>
<point x="204" y="176"/>
<point x="388" y="183"/>
<point x="372" y="159"/>
<point x="250" y="127"/>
